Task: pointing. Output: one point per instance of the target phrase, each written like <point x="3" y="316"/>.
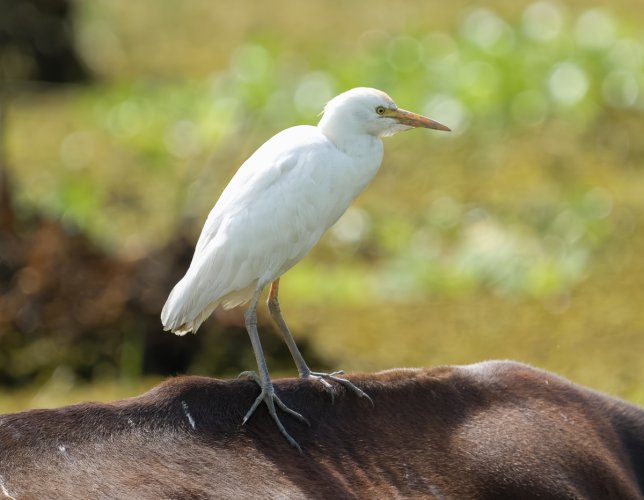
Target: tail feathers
<point x="184" y="312"/>
<point x="179" y="327"/>
<point x="186" y="308"/>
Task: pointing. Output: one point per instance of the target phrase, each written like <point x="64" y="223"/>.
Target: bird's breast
<point x="335" y="180"/>
<point x="359" y="167"/>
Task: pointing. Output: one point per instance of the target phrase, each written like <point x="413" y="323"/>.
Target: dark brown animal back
<point x="490" y="430"/>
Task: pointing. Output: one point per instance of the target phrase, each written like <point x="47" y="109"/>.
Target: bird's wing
<point x="267" y="218"/>
<point x="273" y="159"/>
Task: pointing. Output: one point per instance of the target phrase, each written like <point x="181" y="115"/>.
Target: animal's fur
<point x="491" y="430"/>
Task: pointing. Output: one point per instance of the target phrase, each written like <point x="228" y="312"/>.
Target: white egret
<point x="273" y="211"/>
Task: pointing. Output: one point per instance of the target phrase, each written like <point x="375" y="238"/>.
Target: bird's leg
<point x="263" y="379"/>
<point x="302" y="367"/>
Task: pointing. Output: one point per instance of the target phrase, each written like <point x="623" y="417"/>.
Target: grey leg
<point x="263" y="378"/>
<point x="302" y="367"/>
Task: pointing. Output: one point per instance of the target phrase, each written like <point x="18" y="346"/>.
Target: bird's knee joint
<point x="273" y="306"/>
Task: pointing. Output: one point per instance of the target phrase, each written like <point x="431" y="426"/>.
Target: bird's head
<point x="370" y="111"/>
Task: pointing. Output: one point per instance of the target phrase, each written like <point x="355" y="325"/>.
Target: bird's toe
<point x="268" y="397"/>
<point x="324" y="378"/>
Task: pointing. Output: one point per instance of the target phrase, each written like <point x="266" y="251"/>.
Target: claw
<point x="254" y="406"/>
<point x="326" y="384"/>
<point x="292" y="413"/>
<point x="324" y="377"/>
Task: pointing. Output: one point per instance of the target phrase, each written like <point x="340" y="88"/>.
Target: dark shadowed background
<point x="518" y="235"/>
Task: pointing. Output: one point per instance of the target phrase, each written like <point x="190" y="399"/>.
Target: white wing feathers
<point x="268" y="217"/>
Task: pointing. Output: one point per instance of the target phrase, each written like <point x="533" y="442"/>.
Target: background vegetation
<point x="516" y="236"/>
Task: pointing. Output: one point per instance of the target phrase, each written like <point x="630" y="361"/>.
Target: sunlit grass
<point x="61" y="389"/>
<point x="572" y="335"/>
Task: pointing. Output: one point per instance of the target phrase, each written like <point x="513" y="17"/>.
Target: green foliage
<point x="487" y="78"/>
<point x="531" y="200"/>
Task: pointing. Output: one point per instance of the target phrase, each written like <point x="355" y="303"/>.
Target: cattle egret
<point x="273" y="211"/>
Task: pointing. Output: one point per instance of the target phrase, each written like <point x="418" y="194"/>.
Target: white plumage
<point x="276" y="208"/>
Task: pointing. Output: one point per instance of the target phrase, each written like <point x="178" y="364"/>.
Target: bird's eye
<point x="380" y="110"/>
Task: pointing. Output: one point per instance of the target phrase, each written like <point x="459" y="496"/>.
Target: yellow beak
<point x="415" y="120"/>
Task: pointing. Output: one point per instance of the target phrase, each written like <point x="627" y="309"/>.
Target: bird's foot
<point x="271" y="399"/>
<point x="324" y="378"/>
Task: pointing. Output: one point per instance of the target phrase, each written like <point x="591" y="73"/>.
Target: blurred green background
<point x="516" y="236"/>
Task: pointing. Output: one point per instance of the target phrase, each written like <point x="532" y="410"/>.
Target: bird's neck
<point x="350" y="139"/>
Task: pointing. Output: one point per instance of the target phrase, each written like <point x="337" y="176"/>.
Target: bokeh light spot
<point x="449" y="111"/>
<point x="351" y="228"/>
<point x="404" y="53"/>
<point x="568" y="83"/>
<point x="542" y="21"/>
<point x="595" y="29"/>
<point x="620" y="88"/>
<point x="487" y="31"/>
<point x="182" y="139"/>
<point x="251" y="62"/>
<point x="313" y="91"/>
<point x="77" y="149"/>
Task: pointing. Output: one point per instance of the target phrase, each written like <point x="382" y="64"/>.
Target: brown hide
<point x="490" y="430"/>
